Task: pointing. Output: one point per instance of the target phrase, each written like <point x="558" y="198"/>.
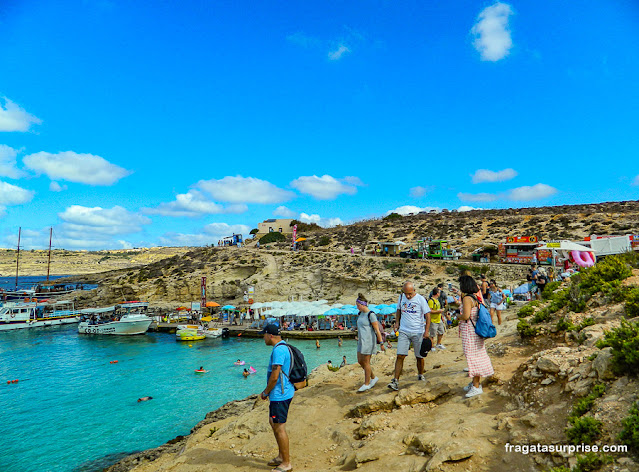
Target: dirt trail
<point x="425" y="426"/>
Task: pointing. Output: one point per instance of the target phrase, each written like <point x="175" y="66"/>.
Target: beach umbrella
<point x="257" y="305"/>
<point x="337" y="305"/>
<point x="212" y="304"/>
<point x="228" y="307"/>
<point x="349" y="310"/>
<point x="393" y="306"/>
<point x="181" y="308"/>
<point x="386" y="311"/>
<point x="348" y="306"/>
<point x="333" y="312"/>
<point x="320" y="302"/>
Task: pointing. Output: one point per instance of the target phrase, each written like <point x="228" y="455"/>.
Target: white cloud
<point x="210" y="234"/>
<point x="284" y="212"/>
<point x="193" y="204"/>
<point x="411" y="209"/>
<point x="492" y="35"/>
<point x="56" y="187"/>
<point x="125" y="244"/>
<point x="244" y="190"/>
<point x="116" y="220"/>
<point x="73" y="167"/>
<point x="13" y="195"/>
<point x="536" y="192"/>
<point x="14" y="118"/>
<point x="417" y="192"/>
<point x="318" y="220"/>
<point x="337" y="54"/>
<point x="484" y="175"/>
<point x="466" y="208"/>
<point x="477" y="197"/>
<point x="353" y="180"/>
<point x="526" y="193"/>
<point x="325" y="187"/>
<point x="636" y="181"/>
<point x="8" y="163"/>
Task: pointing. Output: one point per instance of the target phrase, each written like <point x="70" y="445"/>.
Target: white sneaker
<point x="440" y="346"/>
<point x="373" y="382"/>
<point x="364" y="387"/>
<point x="421" y="377"/>
<point x="474" y="391"/>
<point x="467" y="387"/>
<point x="433" y="349"/>
<point x="466" y="369"/>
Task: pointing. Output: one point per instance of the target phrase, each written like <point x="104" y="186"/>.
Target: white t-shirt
<point x="413" y="311"/>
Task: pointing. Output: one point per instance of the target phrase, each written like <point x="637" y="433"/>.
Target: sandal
<point x="279" y="469"/>
<point x="274" y="462"/>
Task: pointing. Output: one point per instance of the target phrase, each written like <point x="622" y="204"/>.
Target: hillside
<point x="566" y="374"/>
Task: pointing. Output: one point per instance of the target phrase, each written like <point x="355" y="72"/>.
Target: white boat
<point x="18" y="315"/>
<point x="201" y="330"/>
<point x="123" y="319"/>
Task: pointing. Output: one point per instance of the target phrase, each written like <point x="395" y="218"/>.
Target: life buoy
<point x="510" y="240"/>
<point x="533" y="239"/>
<point x="583" y="258"/>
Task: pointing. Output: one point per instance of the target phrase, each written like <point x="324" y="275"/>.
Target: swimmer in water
<point x="246" y="373"/>
<point x="143" y="399"/>
<point x="317" y="343"/>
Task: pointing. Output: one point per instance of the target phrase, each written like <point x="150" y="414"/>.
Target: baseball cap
<point x="426" y="346"/>
<point x="271" y="329"/>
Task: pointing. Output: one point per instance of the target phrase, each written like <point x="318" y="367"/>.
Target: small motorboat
<point x="189" y="335"/>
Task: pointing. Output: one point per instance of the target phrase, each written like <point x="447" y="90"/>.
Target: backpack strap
<point x="290" y="351"/>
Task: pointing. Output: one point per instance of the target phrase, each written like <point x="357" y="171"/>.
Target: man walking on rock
<point x="413" y="326"/>
<point x="280" y="391"/>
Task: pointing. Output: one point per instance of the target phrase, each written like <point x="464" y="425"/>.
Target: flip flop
<point x="279" y="469"/>
<point x="274" y="462"/>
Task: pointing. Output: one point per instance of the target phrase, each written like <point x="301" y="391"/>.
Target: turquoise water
<point x="72" y="410"/>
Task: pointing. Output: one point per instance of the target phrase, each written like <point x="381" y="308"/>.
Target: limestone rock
<point x="549" y="365"/>
<point x="380" y="403"/>
<point x="602" y="364"/>
<point x="369" y="425"/>
<point x="424" y="442"/>
<point x="455" y="451"/>
<point x="421" y="394"/>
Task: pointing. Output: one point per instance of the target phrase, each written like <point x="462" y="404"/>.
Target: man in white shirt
<point x="413" y="326"/>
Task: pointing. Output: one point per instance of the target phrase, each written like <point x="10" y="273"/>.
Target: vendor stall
<point x="519" y="250"/>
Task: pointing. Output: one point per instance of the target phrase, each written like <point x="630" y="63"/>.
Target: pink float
<point x="583" y="258"/>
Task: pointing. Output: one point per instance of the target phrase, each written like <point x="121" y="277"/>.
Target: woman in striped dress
<point x="479" y="364"/>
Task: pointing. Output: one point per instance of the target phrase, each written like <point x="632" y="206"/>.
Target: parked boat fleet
<point x="123" y="319"/>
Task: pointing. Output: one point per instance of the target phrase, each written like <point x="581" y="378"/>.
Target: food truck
<point x="520" y="250"/>
<point x="436" y="249"/>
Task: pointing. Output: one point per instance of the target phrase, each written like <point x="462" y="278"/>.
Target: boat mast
<point x="18" y="256"/>
<point x="49" y="261"/>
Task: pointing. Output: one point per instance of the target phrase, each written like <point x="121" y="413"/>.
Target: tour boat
<point x="15" y="315"/>
<point x="201" y="330"/>
<point x="123" y="319"/>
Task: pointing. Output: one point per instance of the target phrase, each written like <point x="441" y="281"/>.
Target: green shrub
<point x="254" y="231"/>
<point x="630" y="430"/>
<point x="624" y="342"/>
<point x="541" y="316"/>
<point x="393" y="216"/>
<point x="550" y="288"/>
<point x="272" y="237"/>
<point x="324" y="241"/>
<point x="632" y="302"/>
<point x="611" y="268"/>
<point x="591" y="462"/>
<point x="565" y="325"/>
<point x="585" y="323"/>
<point x="584" y="405"/>
<point x="525" y="311"/>
<point x="583" y="430"/>
<point x="535" y="303"/>
<point x="525" y="330"/>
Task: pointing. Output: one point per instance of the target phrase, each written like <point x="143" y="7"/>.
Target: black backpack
<point x="298" y="373"/>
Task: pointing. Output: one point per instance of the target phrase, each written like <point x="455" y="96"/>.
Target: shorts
<point x="499" y="306"/>
<point x="435" y="329"/>
<point x="404" y="340"/>
<point x="278" y="411"/>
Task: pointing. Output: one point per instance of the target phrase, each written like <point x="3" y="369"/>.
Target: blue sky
<point x="129" y="124"/>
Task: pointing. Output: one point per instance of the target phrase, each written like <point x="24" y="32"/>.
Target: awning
<point x="565" y="246"/>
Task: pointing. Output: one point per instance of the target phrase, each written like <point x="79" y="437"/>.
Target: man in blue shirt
<point x="279" y="390"/>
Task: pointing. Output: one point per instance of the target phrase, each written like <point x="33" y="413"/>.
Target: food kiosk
<point x="519" y="250"/>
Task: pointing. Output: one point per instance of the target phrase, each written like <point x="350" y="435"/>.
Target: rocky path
<point x="425" y="426"/>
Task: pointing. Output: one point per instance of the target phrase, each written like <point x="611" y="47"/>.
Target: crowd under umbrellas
<point x="318" y="314"/>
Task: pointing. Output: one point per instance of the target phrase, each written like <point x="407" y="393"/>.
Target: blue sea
<point x="28" y="281"/>
<point x="74" y="411"/>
